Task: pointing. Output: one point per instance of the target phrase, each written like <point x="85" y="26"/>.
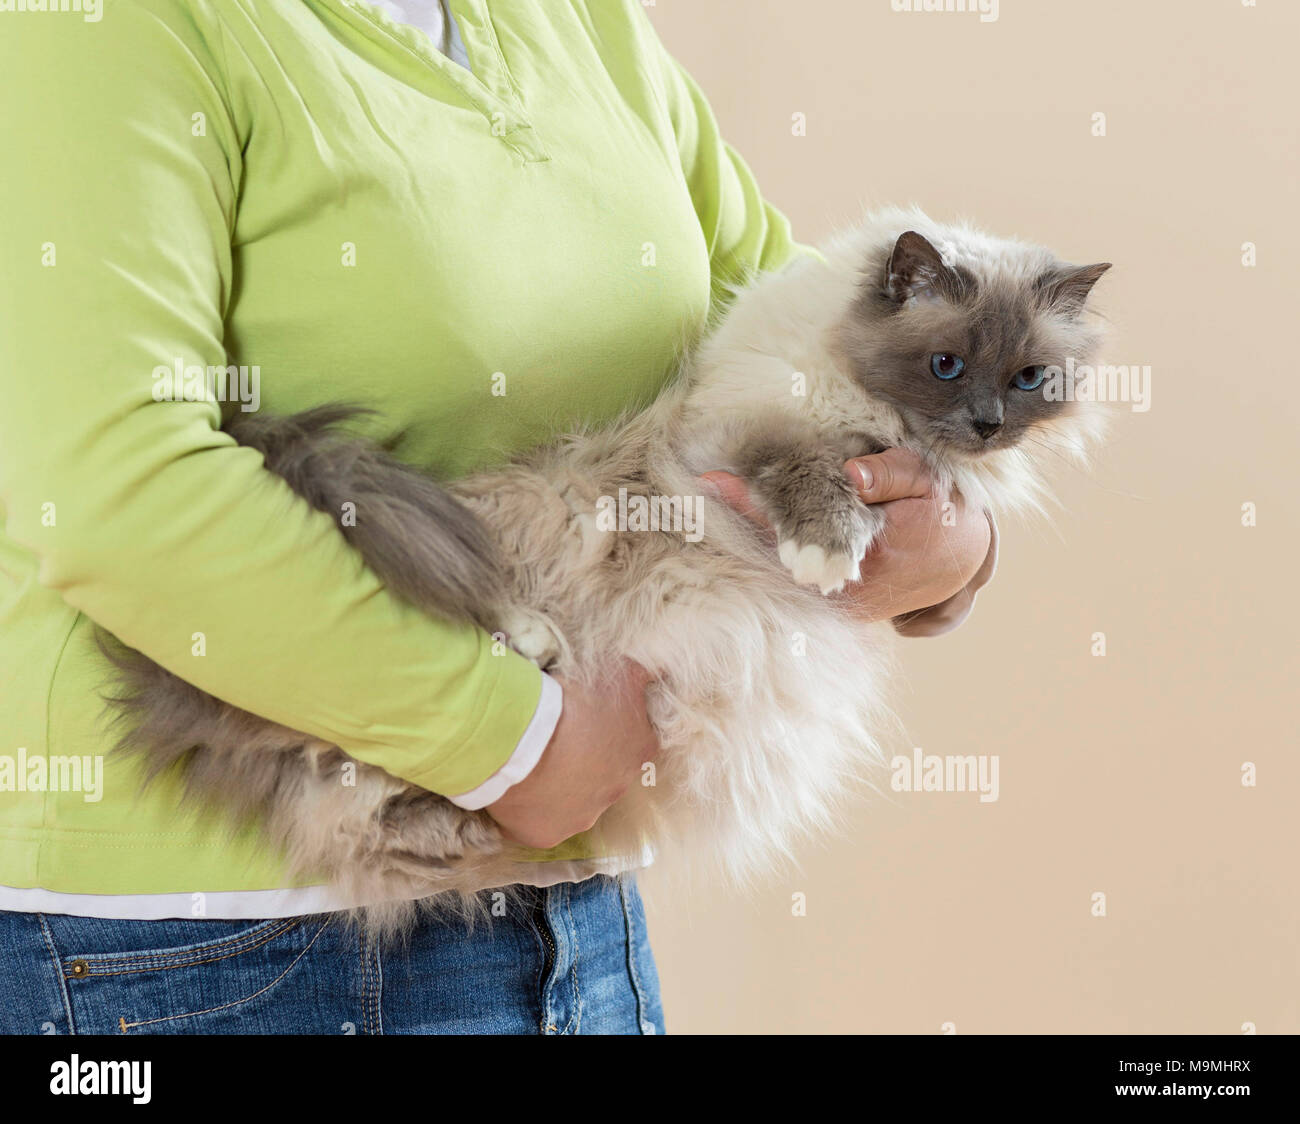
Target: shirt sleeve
<point x="115" y="238"/>
<point x="527" y="753"/>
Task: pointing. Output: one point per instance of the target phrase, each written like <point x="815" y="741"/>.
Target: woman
<point x="486" y="222"/>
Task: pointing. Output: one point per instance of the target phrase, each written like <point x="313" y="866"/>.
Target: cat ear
<point x="1067" y="286"/>
<point x="917" y="269"/>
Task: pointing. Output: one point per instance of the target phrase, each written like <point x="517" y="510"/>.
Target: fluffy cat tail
<point x="426" y="545"/>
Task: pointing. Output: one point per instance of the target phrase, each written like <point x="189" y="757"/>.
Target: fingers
<point x="734" y="492"/>
<point x="895" y="474"/>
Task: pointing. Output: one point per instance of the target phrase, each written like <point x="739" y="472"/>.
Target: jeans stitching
<point x="134" y="964"/>
<point x="377" y="970"/>
<point x="58" y="972"/>
<point x="154" y="961"/>
<point x="575" y="1019"/>
<point x="538" y="918"/>
<point x="370" y="985"/>
<point x="234" y="1002"/>
<point x="632" y="972"/>
<point x="365" y="982"/>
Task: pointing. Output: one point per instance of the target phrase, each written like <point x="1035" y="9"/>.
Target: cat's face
<point x="967" y="350"/>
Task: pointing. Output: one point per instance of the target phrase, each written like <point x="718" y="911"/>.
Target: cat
<point x="768" y="694"/>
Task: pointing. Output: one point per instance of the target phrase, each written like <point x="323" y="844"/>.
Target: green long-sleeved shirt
<point x="308" y="190"/>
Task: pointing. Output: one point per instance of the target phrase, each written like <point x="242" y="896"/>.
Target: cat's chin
<point x="942" y="450"/>
<point x="959" y="453"/>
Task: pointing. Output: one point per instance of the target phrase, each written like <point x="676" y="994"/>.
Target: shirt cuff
<point x="537" y="736"/>
<point x="947" y="615"/>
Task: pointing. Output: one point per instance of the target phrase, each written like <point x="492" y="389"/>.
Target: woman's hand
<point x="919" y="561"/>
<point x="597" y="750"/>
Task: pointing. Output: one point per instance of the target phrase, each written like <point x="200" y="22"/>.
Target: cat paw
<point x="532" y="636"/>
<point x="828" y="570"/>
<point x="830" y="567"/>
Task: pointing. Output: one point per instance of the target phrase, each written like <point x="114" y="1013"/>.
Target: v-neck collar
<point x="487" y="83"/>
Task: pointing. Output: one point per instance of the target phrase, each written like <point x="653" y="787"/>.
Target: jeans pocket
<point x="182" y="976"/>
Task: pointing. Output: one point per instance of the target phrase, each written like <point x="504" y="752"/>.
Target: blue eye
<point x="947" y="366"/>
<point x="1029" y="378"/>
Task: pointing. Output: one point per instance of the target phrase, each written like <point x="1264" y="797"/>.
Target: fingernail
<point x="711" y="487"/>
<point x="865" y="473"/>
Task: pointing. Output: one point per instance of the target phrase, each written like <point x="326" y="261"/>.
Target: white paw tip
<point x="811" y="565"/>
<point x="532" y="638"/>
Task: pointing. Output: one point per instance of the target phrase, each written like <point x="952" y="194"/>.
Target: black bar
<point x="960" y="1071"/>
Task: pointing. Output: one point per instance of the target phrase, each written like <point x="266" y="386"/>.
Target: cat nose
<point x="986" y="427"/>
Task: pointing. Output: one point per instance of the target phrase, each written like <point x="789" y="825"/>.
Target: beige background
<point x="1119" y="774"/>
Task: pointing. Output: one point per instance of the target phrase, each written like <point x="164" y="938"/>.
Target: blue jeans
<point x="570" y="959"/>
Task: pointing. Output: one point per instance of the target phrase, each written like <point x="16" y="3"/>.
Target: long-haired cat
<point x="767" y="693"/>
